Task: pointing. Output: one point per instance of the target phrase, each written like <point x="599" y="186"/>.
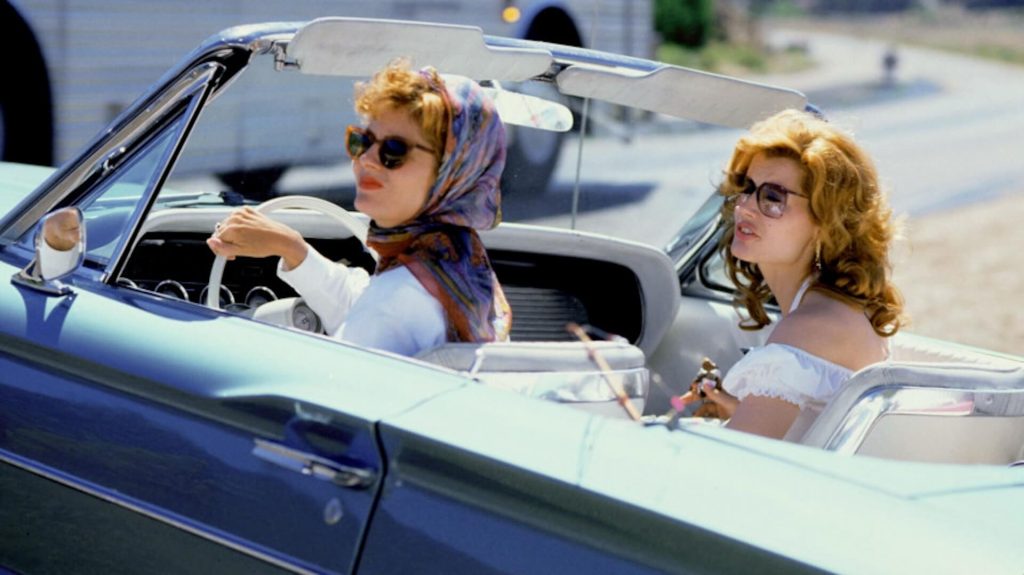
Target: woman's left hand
<point x="726" y="402"/>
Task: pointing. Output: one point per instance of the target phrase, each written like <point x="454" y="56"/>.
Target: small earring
<point x="817" y="256"/>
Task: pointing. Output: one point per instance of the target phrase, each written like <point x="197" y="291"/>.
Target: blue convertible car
<point x="163" y="412"/>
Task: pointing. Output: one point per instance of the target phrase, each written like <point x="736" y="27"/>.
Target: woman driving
<point x="427" y="165"/>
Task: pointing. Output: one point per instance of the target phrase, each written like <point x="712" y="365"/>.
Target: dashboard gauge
<point x="226" y="297"/>
<point x="173" y="289"/>
<point x="305" y="318"/>
<point x="125" y="282"/>
<point x="259" y="295"/>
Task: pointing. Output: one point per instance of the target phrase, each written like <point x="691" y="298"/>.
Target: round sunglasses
<point x="393" y="151"/>
<point x="771" y="198"/>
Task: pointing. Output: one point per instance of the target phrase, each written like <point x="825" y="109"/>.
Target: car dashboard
<point x="177" y="264"/>
<point x="550" y="277"/>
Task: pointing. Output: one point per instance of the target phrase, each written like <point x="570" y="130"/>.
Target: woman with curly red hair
<point x="808" y="225"/>
<point x="427" y="163"/>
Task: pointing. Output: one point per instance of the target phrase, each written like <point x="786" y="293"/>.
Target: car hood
<point x="17" y="181"/>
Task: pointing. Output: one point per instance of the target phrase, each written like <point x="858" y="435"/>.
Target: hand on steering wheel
<point x="247" y="230"/>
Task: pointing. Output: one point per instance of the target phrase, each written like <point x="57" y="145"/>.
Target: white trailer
<point x="73" y="65"/>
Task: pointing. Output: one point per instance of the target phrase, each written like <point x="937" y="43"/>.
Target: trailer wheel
<point x="26" y="111"/>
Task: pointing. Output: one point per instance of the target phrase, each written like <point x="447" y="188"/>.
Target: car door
<point x="139" y="433"/>
<point x="143" y="434"/>
<point x="103" y="469"/>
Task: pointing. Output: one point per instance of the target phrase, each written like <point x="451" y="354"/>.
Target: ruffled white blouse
<point x="788" y="373"/>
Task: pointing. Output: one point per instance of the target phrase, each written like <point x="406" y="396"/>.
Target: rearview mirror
<point x="60" y="243"/>
<point x="60" y="249"/>
<point x="530" y="111"/>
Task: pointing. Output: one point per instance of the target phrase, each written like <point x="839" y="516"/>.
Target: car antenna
<point x="579" y="160"/>
<point x="583" y="127"/>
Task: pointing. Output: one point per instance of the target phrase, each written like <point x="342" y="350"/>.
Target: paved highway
<point x="950" y="131"/>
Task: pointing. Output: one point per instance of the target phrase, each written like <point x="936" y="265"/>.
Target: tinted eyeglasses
<point x="771" y="198"/>
<point x="392" y="151"/>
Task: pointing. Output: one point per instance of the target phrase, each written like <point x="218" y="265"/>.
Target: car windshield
<point x="114" y="202"/>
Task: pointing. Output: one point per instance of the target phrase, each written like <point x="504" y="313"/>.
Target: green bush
<point x="684" y="22"/>
<point x="734" y="59"/>
<point x="715" y="57"/>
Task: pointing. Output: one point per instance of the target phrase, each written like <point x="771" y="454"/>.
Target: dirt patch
<point x="993" y="34"/>
<point x="962" y="274"/>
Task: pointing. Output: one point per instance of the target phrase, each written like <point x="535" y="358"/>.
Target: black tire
<point x="26" y="110"/>
<point x="257" y="184"/>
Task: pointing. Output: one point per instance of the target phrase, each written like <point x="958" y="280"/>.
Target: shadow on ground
<point x="869" y="93"/>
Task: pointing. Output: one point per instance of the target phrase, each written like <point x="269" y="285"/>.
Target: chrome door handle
<point x="313" y="465"/>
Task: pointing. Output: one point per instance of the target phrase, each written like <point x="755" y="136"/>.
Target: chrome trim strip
<point x="195" y="94"/>
<point x="308" y="464"/>
<point x="943" y="402"/>
<point x="570" y="386"/>
<point x="28" y="278"/>
<point x="47" y="473"/>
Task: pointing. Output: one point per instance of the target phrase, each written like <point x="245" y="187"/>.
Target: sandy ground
<point x="992" y="33"/>
<point x="954" y="263"/>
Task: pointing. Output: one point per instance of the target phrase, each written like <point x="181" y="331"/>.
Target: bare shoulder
<point x="833" y="330"/>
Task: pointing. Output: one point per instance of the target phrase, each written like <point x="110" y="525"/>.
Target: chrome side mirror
<point x="60" y="249"/>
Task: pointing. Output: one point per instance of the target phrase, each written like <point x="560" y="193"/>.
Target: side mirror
<point x="60" y="249"/>
<point x="60" y="243"/>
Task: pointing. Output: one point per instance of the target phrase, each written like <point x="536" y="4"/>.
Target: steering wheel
<point x="343" y="216"/>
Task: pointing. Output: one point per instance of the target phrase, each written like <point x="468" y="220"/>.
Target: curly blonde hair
<point x="847" y="204"/>
<point x="397" y="87"/>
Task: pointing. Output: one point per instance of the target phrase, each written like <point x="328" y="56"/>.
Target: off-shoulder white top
<point x="788" y="373"/>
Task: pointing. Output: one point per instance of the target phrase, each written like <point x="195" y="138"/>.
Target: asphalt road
<point x="948" y="132"/>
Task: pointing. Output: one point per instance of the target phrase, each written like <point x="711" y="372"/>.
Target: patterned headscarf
<point x="441" y="246"/>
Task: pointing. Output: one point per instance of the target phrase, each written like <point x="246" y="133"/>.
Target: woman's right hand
<point x="249" y="233"/>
